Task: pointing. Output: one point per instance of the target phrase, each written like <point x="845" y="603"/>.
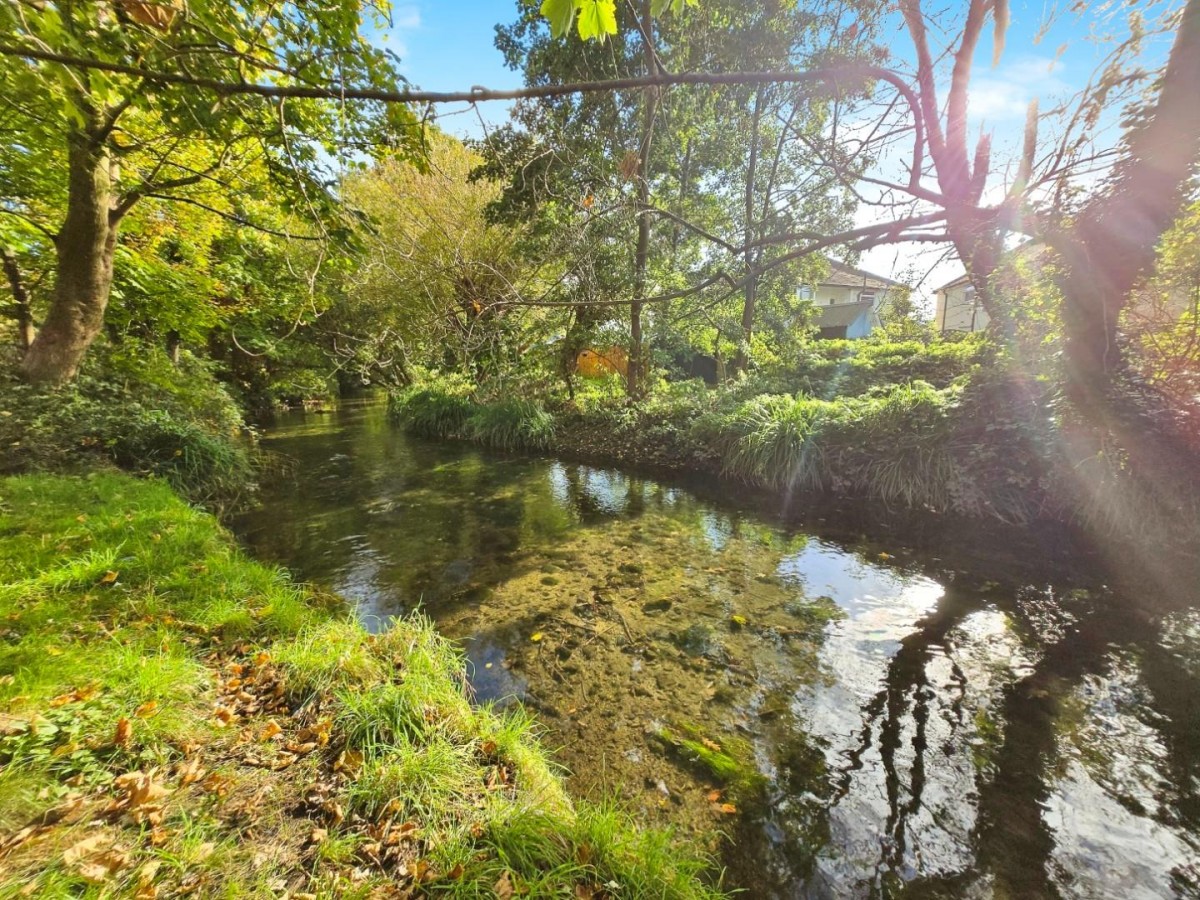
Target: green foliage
<point x="597" y="19"/>
<point x="514" y="424"/>
<point x="893" y="444"/>
<point x="133" y="408"/>
<point x="848" y="368"/>
<point x="446" y="408"/>
<point x="438" y="408"/>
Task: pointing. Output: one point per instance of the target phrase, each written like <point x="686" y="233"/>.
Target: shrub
<point x="131" y="407"/>
<point x="896" y="444"/>
<point x="511" y="425"/>
<point x="438" y="408"/>
<point x="850" y="368"/>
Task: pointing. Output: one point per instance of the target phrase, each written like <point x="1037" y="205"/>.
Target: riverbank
<point x="979" y="446"/>
<point x="176" y="718"/>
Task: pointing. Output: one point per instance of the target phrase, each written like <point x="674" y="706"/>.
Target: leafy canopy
<point x="596" y="19"/>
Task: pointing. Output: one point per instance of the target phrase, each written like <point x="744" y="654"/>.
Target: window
<point x="806" y="292"/>
<point x="864" y="296"/>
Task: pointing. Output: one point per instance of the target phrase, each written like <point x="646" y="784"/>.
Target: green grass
<point x="120" y="602"/>
<point x="445" y="408"/>
<point x="439" y="409"/>
<point x="511" y="425"/>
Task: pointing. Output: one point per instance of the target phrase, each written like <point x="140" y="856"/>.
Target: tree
<point x="121" y="140"/>
<point x="435" y="282"/>
<point x="1109" y="243"/>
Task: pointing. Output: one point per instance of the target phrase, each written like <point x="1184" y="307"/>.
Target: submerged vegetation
<point x="177" y="718"/>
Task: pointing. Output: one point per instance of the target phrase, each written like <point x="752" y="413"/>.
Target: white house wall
<point x="957" y="311"/>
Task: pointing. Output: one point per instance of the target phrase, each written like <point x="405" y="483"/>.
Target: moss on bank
<point x="177" y="719"/>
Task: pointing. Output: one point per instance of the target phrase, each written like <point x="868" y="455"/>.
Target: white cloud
<point x="1002" y="95"/>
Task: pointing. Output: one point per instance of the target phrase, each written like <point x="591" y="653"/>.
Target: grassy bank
<point x="177" y="720"/>
<point x="852" y="421"/>
<point x="947" y="427"/>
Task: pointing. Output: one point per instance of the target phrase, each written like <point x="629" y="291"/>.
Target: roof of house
<point x="842" y="315"/>
<point x="961" y="279"/>
<point x="1030" y="251"/>
<point x="842" y="275"/>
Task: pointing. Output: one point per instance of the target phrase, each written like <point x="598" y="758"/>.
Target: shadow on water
<point x="936" y="710"/>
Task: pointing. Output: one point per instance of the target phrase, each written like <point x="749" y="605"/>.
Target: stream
<point x="920" y="710"/>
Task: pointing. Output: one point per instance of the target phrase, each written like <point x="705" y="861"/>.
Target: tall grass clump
<point x="897" y="445"/>
<point x="511" y="425"/>
<point x="438" y="408"/>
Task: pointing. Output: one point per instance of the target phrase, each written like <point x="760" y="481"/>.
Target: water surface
<point x="934" y="712"/>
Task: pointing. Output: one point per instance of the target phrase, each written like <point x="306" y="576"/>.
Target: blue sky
<point x="1050" y="53"/>
<point x="449" y="46"/>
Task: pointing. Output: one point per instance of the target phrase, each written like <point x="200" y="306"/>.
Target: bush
<point x="445" y="408"/>
<point x="438" y="408"/>
<point x="850" y="368"/>
<point x="511" y="425"/>
<point x="896" y="445"/>
<point x="131" y="407"/>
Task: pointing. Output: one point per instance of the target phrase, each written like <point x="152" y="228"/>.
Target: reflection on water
<point x="924" y="730"/>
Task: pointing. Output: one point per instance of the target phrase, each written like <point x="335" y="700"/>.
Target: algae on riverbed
<point x="176" y="719"/>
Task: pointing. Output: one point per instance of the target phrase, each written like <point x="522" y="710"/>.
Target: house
<point x="958" y="309"/>
<point x="848" y="301"/>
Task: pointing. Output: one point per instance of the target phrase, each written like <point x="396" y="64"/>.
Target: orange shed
<point x="602" y="363"/>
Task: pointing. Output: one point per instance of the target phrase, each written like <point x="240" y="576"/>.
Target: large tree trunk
<point x="750" y="298"/>
<point x="1114" y="241"/>
<point x="84" y="268"/>
<point x="22" y="309"/>
<point x="642" y="254"/>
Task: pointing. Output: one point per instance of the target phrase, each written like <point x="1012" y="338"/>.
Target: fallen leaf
<point x="714" y="796"/>
<point x="143" y="796"/>
<point x="271" y="730"/>
<point x="96" y="858"/>
<point x="728" y="809"/>
<point x="456" y="873"/>
<point x="711" y="745"/>
<point x="489" y="748"/>
<point x="124" y="732"/>
<point x="503" y="887"/>
<point x="146" y="873"/>
<point x="349" y="762"/>
<point x="190" y="772"/>
<point x="536" y="637"/>
<point x="110" y="577"/>
<point x="147" y="709"/>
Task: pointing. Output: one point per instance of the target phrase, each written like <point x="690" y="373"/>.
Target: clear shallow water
<point x="937" y="713"/>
